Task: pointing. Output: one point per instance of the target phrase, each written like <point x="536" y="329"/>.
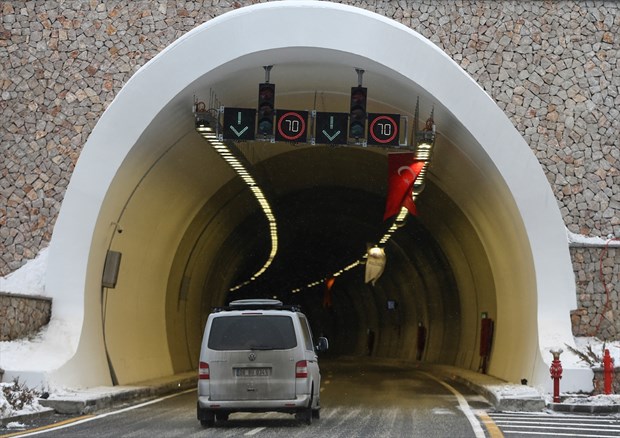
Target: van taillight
<point x="301" y="369"/>
<point x="203" y="371"/>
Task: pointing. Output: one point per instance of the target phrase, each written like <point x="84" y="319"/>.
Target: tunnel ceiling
<point x="328" y="200"/>
<point x="329" y="204"/>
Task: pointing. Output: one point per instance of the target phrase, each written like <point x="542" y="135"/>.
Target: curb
<point x="46" y="412"/>
<point x="521" y="398"/>
<point x="584" y="408"/>
<point x="89" y="401"/>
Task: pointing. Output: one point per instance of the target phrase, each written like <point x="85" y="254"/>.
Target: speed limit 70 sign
<point x="384" y="129"/>
<point x="291" y="125"/>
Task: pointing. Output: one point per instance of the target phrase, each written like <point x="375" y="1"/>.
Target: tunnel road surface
<point x="360" y="398"/>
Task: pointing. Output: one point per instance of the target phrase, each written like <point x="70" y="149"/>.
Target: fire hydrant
<point x="556" y="374"/>
<point x="608" y="371"/>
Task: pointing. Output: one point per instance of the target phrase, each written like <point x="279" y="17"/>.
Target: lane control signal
<point x="357" y="114"/>
<point x="266" y="108"/>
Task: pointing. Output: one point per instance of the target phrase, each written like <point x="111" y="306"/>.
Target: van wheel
<point x="305" y="415"/>
<point x="208" y="419"/>
<point x="316" y="411"/>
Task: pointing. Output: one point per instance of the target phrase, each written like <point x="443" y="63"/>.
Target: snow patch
<point x="595" y="400"/>
<point x="29" y="279"/>
<point x="581" y="240"/>
<point x="596" y="344"/>
<point x="49" y="349"/>
<point x="24" y="401"/>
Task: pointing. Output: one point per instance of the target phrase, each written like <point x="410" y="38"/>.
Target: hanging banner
<point x="375" y="264"/>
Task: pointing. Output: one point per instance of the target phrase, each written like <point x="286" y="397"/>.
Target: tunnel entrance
<point x="323" y="228"/>
<point x="488" y="238"/>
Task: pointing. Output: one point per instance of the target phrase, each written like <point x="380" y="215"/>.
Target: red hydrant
<point x="608" y="371"/>
<point x="556" y="374"/>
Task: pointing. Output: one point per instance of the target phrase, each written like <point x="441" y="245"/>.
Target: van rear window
<point x="252" y="332"/>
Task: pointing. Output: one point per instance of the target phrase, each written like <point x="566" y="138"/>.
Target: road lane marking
<point x="553" y="433"/>
<point x="85" y="419"/>
<point x="469" y="414"/>
<point x="254" y="431"/>
<point x="46" y="428"/>
<point x="489" y="424"/>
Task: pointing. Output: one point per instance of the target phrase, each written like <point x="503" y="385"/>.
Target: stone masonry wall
<point x="22" y="315"/>
<point x="598" y="271"/>
<point x="553" y="67"/>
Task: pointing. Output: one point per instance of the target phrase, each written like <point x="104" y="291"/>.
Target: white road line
<point x="572" y="435"/>
<point x="469" y="414"/>
<point x="108" y="414"/>
<point x="559" y="418"/>
<point x="558" y="426"/>
<point x="254" y="431"/>
<point x="584" y="429"/>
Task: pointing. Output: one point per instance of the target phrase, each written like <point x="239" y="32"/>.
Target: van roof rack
<point x="258" y="304"/>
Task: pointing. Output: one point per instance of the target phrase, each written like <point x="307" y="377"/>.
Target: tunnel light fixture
<point x="205" y="124"/>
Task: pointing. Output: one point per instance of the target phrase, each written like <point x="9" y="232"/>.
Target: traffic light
<point x="266" y="105"/>
<point x="357" y="115"/>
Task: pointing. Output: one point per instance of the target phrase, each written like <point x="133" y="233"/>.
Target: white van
<point x="258" y="356"/>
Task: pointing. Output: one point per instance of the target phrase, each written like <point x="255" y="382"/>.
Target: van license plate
<point x="252" y="372"/>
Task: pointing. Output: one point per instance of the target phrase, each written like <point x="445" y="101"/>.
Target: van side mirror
<point x="323" y="344"/>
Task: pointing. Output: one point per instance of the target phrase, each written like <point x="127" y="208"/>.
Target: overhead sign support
<point x="357" y="111"/>
<point x="266" y="106"/>
<point x="357" y="127"/>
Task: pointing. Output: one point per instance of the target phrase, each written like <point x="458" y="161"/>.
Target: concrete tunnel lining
<point x="523" y="233"/>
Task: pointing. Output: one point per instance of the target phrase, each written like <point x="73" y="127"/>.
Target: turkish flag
<point x="402" y="172"/>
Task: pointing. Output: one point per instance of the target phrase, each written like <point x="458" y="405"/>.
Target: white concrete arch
<point x="523" y="234"/>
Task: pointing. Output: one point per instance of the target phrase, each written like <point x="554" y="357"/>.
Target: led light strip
<point x="230" y="158"/>
<point x="423" y="153"/>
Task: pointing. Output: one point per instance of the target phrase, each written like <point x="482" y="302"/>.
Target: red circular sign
<point x="291" y="125"/>
<point x="388" y="130"/>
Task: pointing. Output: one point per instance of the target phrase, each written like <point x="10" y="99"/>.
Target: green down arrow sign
<point x="331" y="128"/>
<point x="239" y="123"/>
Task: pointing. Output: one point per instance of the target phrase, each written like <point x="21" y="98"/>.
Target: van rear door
<point x="252" y="357"/>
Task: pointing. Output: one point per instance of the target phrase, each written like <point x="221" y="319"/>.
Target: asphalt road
<point x="359" y="399"/>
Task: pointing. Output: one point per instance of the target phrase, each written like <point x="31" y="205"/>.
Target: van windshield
<point x="252" y="332"/>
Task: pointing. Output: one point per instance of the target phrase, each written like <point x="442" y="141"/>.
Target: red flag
<point x="402" y="172"/>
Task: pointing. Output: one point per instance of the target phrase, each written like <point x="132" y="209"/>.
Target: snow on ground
<point x="49" y="349"/>
<point x="54" y="344"/>
<point x="596" y="345"/>
<point x="597" y="400"/>
<point x="580" y="239"/>
<point x="24" y="401"/>
<point x="29" y="279"/>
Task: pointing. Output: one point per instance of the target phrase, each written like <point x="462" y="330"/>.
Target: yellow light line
<point x="489" y="424"/>
<point x="49" y="426"/>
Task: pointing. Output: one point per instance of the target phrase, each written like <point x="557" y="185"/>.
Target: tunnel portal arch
<point x="146" y="172"/>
